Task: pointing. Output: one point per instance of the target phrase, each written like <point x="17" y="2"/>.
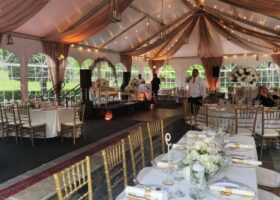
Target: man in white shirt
<point x="197" y="90"/>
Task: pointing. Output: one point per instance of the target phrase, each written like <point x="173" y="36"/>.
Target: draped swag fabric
<point x="276" y="59"/>
<point x="127" y="62"/>
<point x="56" y="67"/>
<point x="15" y="13"/>
<point x="156" y="63"/>
<point x="90" y="25"/>
<point x="266" y="7"/>
<point x="209" y="63"/>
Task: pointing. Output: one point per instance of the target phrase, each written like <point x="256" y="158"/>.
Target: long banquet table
<point x="247" y="176"/>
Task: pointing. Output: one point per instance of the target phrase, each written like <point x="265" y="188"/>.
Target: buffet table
<point x="247" y="176"/>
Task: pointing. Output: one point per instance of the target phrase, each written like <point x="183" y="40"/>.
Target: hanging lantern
<point x="108" y="115"/>
<point x="116" y="16"/>
<point x="9" y="40"/>
<point x="257" y="57"/>
<point x="162" y="30"/>
<point x="275" y="48"/>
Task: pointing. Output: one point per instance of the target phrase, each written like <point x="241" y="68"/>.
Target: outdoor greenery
<point x="167" y="77"/>
<point x="200" y="69"/>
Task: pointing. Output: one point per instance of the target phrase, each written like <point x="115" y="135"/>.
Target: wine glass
<point x="178" y="176"/>
<point x="226" y="161"/>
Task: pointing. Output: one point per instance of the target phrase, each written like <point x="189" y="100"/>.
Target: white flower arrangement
<point x="101" y="83"/>
<point x="207" y="152"/>
<point x="248" y="75"/>
<point x="132" y="86"/>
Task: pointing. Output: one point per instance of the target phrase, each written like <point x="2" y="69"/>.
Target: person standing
<point x="197" y="90"/>
<point x="140" y="79"/>
<point x="155" y="87"/>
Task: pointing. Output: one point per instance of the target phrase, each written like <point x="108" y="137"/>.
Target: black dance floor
<point x="17" y="159"/>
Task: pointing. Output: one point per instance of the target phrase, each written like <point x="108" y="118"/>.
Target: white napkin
<point x="239" y="146"/>
<point x="144" y="192"/>
<point x="235" y="191"/>
<point x="244" y="161"/>
<point x="180" y="146"/>
<point x="165" y="165"/>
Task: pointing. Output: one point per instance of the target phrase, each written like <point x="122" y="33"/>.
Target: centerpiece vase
<point x="197" y="181"/>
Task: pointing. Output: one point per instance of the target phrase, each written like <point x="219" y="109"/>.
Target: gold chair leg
<point x="74" y="136"/>
<point x="32" y="137"/>
<point x="261" y="149"/>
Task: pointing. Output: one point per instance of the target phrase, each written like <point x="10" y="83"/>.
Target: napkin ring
<point x="148" y="192"/>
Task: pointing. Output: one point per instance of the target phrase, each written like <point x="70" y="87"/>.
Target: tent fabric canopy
<point x="250" y="25"/>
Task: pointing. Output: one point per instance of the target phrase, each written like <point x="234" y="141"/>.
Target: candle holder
<point x="168" y="143"/>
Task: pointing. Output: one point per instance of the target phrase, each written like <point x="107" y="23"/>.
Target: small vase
<point x="197" y="181"/>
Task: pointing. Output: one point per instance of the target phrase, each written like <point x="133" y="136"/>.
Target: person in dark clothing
<point x="265" y="97"/>
<point x="155" y="87"/>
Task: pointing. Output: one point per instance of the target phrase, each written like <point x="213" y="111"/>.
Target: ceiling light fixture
<point x="115" y="13"/>
<point x="9" y="40"/>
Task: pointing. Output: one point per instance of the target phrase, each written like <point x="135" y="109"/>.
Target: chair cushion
<point x="267" y="177"/>
<point x="72" y="123"/>
<point x="13" y="123"/>
<point x="244" y="132"/>
<point x="267" y="132"/>
<point x="34" y="124"/>
<point x="265" y="195"/>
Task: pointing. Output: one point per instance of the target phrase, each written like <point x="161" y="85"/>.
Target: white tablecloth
<point x="246" y="176"/>
<point x="53" y="119"/>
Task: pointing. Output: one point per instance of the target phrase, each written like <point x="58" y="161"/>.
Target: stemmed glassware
<point x="226" y="161"/>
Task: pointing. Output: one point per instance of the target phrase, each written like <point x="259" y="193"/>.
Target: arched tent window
<point x="167" y="77"/>
<point x="9" y="76"/>
<point x="147" y="74"/>
<point x="224" y="73"/>
<point x="269" y="74"/>
<point x="105" y="72"/>
<point x="200" y="69"/>
<point x="134" y="71"/>
<point x="72" y="73"/>
<point x="87" y="63"/>
<point x="38" y="75"/>
<point x="120" y="68"/>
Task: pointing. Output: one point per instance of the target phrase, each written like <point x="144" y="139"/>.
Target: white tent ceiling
<point x="57" y="16"/>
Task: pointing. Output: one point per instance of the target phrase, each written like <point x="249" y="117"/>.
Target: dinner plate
<point x="231" y="184"/>
<point x="242" y="165"/>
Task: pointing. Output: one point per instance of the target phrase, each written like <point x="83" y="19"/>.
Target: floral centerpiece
<point x="101" y="83"/>
<point x="132" y="86"/>
<point x="208" y="153"/>
<point x="247" y="75"/>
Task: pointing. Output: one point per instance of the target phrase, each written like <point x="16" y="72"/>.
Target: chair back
<point x="136" y="146"/>
<point x="12" y="115"/>
<point x="222" y="119"/>
<point x="246" y="117"/>
<point x="156" y="138"/>
<point x="114" y="160"/>
<point x="79" y="112"/>
<point x="71" y="180"/>
<point x="201" y="115"/>
<point x="24" y="113"/>
<point x="2" y="115"/>
<point x="270" y="119"/>
<point x="188" y="111"/>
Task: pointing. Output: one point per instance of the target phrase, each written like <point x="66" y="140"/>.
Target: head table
<point x="247" y="176"/>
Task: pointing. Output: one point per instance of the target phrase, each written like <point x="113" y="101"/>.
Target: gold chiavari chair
<point x="224" y="120"/>
<point x="156" y="138"/>
<point x="268" y="134"/>
<point x="75" y="126"/>
<point x="114" y="160"/>
<point x="71" y="180"/>
<point x="246" y="117"/>
<point x="3" y="123"/>
<point x="201" y="117"/>
<point x="136" y="146"/>
<point x="12" y="120"/>
<point x="189" y="117"/>
<point x="31" y="127"/>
